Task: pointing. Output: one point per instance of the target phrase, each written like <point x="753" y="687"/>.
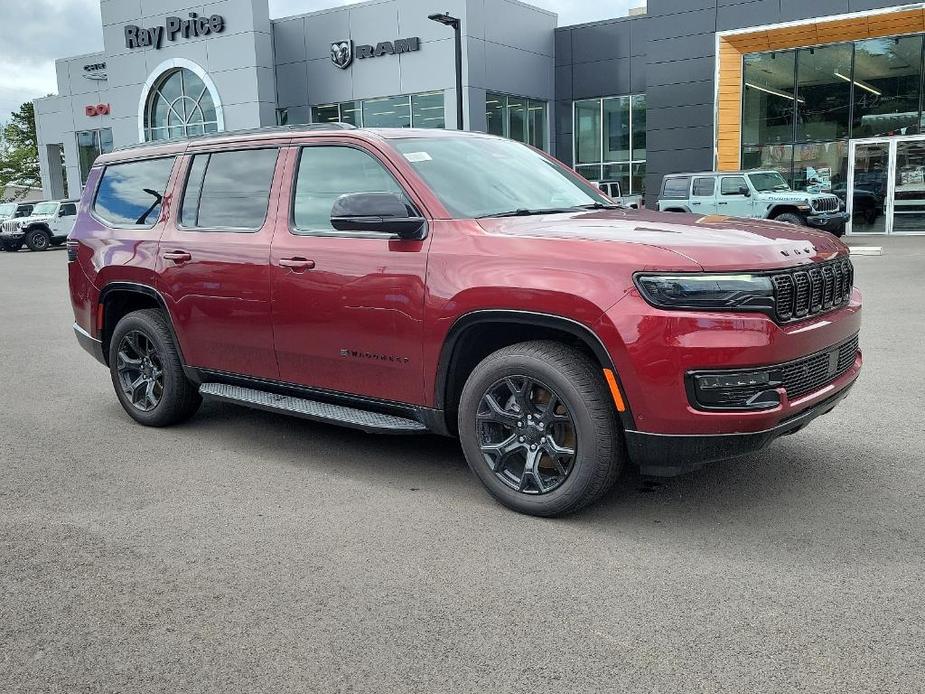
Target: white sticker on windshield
<point x="415" y="157"/>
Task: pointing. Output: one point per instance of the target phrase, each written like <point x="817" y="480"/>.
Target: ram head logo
<point x="342" y="54"/>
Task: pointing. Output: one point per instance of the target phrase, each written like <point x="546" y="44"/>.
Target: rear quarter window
<point x="131" y="194"/>
<point x="676" y="188"/>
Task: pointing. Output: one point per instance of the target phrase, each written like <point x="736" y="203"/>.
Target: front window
<point x="769" y="182"/>
<point x="180" y="105"/>
<point x="484" y="177"/>
<point x="45" y="208"/>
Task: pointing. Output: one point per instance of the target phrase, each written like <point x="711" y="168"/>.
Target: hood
<point x="34" y="218"/>
<point x="715" y="242"/>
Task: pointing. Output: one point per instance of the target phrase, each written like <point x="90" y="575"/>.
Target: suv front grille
<point x="10" y="225"/>
<point x="801" y="293"/>
<point x="826" y="204"/>
<point x="812" y="373"/>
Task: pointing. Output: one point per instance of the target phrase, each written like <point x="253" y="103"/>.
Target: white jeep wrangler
<point x="47" y="226"/>
<point x="756" y="194"/>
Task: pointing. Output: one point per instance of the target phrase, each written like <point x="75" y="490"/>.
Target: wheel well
<point x="475" y="342"/>
<point x="783" y="209"/>
<point x="118" y="304"/>
<point x="38" y="226"/>
<point x="675" y="209"/>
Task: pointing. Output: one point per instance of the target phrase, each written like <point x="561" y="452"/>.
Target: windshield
<point x="7" y="209"/>
<point x="486" y="177"/>
<point x="45" y="208"/>
<point x="768" y="182"/>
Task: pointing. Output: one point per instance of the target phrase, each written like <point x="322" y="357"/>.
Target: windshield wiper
<point x="600" y="206"/>
<point x="525" y="212"/>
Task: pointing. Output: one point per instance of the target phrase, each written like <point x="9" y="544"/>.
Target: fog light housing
<point x="735" y="390"/>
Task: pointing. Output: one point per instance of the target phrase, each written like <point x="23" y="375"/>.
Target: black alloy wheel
<point x="38" y="240"/>
<point x="141" y="371"/>
<point x="527" y="435"/>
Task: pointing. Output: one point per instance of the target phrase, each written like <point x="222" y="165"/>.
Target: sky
<point x="34" y="33"/>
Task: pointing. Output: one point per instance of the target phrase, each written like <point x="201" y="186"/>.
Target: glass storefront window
<point x="91" y="144"/>
<point x="414" y="111"/>
<point x="587" y="131"/>
<point x="821" y="167"/>
<point x="592" y="173"/>
<point x="516" y="117"/>
<point x="823" y="92"/>
<point x="427" y="110"/>
<point x="775" y="157"/>
<point x="611" y="133"/>
<point x="390" y="112"/>
<point x="887" y="82"/>
<point x="617" y="129"/>
<point x="768" y="98"/>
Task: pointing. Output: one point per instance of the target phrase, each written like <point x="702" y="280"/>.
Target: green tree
<point x="19" y="154"/>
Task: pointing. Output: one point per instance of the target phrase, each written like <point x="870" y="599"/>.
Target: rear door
<point x="731" y="201"/>
<point x="214" y="259"/>
<point x="348" y="307"/>
<point x="703" y="195"/>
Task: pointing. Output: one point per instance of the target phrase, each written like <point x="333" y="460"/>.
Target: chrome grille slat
<point x="807" y="291"/>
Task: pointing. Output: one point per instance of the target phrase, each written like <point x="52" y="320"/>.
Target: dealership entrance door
<point x="886" y="185"/>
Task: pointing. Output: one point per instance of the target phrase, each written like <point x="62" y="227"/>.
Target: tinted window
<point x="731" y="185"/>
<point x="130" y="194"/>
<point x="823" y="92"/>
<point x="229" y="190"/>
<point x="68" y="209"/>
<point x="704" y="187"/>
<point x="676" y="187"/>
<point x="326" y="173"/>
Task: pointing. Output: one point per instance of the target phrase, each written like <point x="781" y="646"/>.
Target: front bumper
<point x="828" y="220"/>
<point x="92" y="346"/>
<point x="12" y="236"/>
<point x="668" y="455"/>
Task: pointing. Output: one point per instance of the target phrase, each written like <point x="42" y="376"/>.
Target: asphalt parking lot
<point x="250" y="552"/>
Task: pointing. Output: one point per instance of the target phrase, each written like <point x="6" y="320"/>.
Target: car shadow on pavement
<point x="733" y="489"/>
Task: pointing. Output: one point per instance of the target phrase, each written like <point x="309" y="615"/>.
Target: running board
<point x="371" y="422"/>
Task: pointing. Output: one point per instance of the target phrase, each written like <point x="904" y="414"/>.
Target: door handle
<point x="178" y="256"/>
<point x="297" y="264"/>
<point x="722" y="203"/>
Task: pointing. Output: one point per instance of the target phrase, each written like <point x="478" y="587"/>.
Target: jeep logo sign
<point x="343" y="52"/>
<point x="174" y="27"/>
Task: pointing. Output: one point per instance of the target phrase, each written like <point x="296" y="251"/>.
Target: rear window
<point x="229" y="190"/>
<point x="676" y="187"/>
<point x="704" y="187"/>
<point x="130" y="194"/>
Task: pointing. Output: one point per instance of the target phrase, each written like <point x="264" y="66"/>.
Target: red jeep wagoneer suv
<point x="406" y="281"/>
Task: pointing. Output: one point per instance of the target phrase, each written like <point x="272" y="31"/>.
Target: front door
<point x="733" y="198"/>
<point x="213" y="261"/>
<point x="347" y="307"/>
<point x="869" y="198"/>
<point x="62" y="224"/>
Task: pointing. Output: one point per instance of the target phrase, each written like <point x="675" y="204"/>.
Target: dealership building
<point x="829" y="93"/>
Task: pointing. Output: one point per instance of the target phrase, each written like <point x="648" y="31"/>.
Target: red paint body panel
<point x="371" y="318"/>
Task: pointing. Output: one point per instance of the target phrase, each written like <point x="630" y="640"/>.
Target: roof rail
<point x="246" y="131"/>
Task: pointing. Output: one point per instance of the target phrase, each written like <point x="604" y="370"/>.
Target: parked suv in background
<point x="406" y="281"/>
<point x="48" y="225"/>
<point x="613" y="190"/>
<point x="13" y="210"/>
<point x="757" y="194"/>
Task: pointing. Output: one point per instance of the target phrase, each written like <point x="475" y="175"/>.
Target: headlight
<point x="708" y="292"/>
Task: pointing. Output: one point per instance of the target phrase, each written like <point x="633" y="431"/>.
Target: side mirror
<point x="386" y="213"/>
<point x="743" y="190"/>
<point x="61" y="212"/>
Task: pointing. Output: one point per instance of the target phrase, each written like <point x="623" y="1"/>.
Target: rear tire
<point x="38" y="240"/>
<point x="791" y="218"/>
<point x="507" y="400"/>
<point x="147" y="372"/>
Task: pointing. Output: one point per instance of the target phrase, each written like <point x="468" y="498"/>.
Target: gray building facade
<point x="688" y="85"/>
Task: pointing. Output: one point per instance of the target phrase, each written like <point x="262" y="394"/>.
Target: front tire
<point x="147" y="373"/>
<point x="38" y="240"/>
<point x="538" y="428"/>
<point x="791" y="218"/>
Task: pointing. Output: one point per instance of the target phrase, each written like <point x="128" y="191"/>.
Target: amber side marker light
<point x="615" y="390"/>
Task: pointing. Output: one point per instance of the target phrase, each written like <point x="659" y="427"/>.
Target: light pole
<point x="454" y="22"/>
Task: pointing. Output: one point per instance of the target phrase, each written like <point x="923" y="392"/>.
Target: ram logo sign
<point x="344" y="52"/>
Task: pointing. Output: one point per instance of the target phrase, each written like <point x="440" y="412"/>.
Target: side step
<point x="371" y="422"/>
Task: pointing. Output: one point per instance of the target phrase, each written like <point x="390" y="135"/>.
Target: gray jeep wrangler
<point x="755" y="194"/>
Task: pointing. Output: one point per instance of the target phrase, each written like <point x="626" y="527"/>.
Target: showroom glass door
<point x="869" y="194"/>
<point x="909" y="187"/>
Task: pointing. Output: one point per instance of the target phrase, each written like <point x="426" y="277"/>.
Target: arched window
<point x="180" y="104"/>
